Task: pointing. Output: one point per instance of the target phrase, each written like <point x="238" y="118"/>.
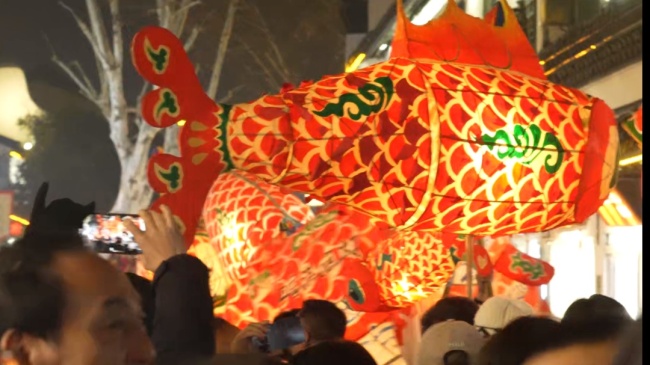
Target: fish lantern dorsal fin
<point x="496" y="41"/>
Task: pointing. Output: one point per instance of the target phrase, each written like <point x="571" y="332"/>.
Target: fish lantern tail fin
<point x="182" y="182"/>
<point x="496" y="41"/>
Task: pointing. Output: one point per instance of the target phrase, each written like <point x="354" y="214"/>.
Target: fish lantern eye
<point x="356" y="292"/>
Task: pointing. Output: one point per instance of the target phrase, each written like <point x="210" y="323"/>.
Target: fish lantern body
<point x="459" y="131"/>
<point x="240" y="216"/>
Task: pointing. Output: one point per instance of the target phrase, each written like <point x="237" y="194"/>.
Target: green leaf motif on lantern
<point x="371" y="98"/>
<point x="535" y="270"/>
<point x="527" y="145"/>
<point x="159" y="57"/>
<point x="166" y="105"/>
<point x="223" y="135"/>
<point x="171" y="177"/>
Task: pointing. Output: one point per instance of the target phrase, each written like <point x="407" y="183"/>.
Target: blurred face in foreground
<point x="102" y="319"/>
<point x="601" y="353"/>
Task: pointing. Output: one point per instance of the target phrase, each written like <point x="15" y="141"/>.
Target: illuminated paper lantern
<point x="505" y="284"/>
<point x="481" y="258"/>
<point x="241" y="214"/>
<point x="458" y="131"/>
<point x="318" y="261"/>
<point x="409" y="266"/>
<point x="523" y="268"/>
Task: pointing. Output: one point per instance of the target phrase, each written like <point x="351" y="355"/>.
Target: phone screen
<point x="285" y="333"/>
<point x="106" y="233"/>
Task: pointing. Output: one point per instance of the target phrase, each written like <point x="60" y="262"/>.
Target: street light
<point x="28" y="146"/>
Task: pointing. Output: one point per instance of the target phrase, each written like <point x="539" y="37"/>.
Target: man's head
<point x="450" y="342"/>
<point x="498" y="312"/>
<point x="144" y="288"/>
<point x="593" y="342"/>
<point x="335" y="352"/>
<point x="456" y="308"/>
<point x="62" y="305"/>
<point x="322" y="321"/>
<point x="596" y="306"/>
<point x="519" y="340"/>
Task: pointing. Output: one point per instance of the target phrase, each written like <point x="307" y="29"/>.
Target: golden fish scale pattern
<point x="419" y="162"/>
<point x="410" y="266"/>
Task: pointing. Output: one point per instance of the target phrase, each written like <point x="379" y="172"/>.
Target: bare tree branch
<point x="118" y="39"/>
<point x="170" y="143"/>
<point x="231" y="93"/>
<point x="85" y="90"/>
<point x="264" y="66"/>
<point x="84" y="77"/>
<point x="79" y="78"/>
<point x="280" y="63"/>
<point x="85" y="30"/>
<point x="182" y="12"/>
<point x="99" y="32"/>
<point x="162" y="9"/>
<point x="226" y="33"/>
<point x="189" y="42"/>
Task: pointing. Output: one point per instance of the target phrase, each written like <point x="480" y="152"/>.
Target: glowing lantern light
<point x="458" y="131"/>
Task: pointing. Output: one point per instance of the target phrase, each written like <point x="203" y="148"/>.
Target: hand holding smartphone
<point x="106" y="233"/>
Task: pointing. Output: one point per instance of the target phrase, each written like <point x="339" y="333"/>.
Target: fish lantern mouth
<point x="600" y="164"/>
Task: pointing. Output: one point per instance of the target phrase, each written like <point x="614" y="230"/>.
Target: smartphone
<point x="285" y="333"/>
<point x="105" y="233"/>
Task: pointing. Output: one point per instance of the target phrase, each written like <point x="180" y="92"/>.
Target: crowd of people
<point x="61" y="304"/>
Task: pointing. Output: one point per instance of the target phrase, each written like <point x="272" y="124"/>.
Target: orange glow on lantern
<point x="458" y="131"/>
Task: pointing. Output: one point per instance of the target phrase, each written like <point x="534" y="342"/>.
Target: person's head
<point x="322" y="321"/>
<point x="497" y="312"/>
<point x="144" y="288"/>
<point x="450" y="343"/>
<point x="596" y="306"/>
<point x="630" y="346"/>
<point x="287" y="314"/>
<point x="456" y="308"/>
<point x="335" y="352"/>
<point x="519" y="340"/>
<point x="60" y="217"/>
<point x="585" y="342"/>
<point x="60" y="304"/>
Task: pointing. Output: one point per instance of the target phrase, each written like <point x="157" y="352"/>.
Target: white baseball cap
<point x="498" y="312"/>
<point x="445" y="337"/>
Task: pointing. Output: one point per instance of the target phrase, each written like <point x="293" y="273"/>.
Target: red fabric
<point x="597" y="178"/>
<point x="523" y="268"/>
<point x="458" y="37"/>
<point x="482" y="262"/>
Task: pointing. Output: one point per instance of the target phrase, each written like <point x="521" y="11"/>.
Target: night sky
<point x="311" y="37"/>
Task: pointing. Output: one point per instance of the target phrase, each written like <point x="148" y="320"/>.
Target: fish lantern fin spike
<point x="181" y="181"/>
<point x="496" y="41"/>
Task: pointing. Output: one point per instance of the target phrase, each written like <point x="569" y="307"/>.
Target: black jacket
<point x="182" y="325"/>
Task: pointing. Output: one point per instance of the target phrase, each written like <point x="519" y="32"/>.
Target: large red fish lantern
<point x="458" y="131"/>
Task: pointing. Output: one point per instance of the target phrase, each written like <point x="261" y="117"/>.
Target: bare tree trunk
<point x="134" y="193"/>
<point x="108" y="47"/>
